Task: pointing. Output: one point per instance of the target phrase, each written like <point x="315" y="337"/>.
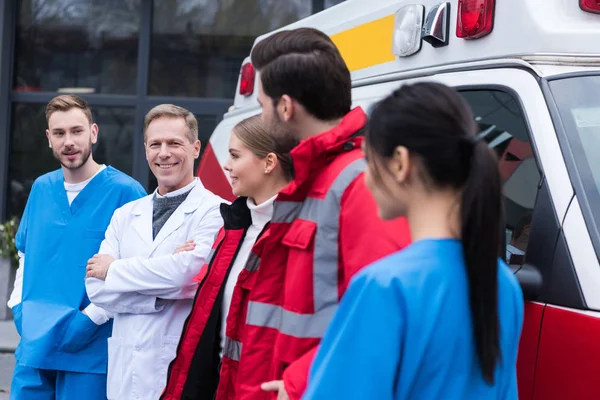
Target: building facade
<point x="123" y="57"/>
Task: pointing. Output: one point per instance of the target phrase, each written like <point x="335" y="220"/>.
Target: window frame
<point x="141" y="101"/>
<point x="569" y="155"/>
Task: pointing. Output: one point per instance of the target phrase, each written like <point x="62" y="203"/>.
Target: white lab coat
<point x="150" y="289"/>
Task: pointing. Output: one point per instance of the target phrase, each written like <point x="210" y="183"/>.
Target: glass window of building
<point x="331" y="3"/>
<point x="31" y="156"/>
<point x="198" y="46"/>
<point x="90" y="45"/>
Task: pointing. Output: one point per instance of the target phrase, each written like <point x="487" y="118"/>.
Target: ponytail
<point x="481" y="216"/>
<point x="434" y="122"/>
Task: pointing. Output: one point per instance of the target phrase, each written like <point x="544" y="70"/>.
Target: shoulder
<point x="47" y="178"/>
<point x="122" y="180"/>
<point x="381" y="279"/>
<point x="210" y="199"/>
<point x="44" y="183"/>
<point x="345" y="169"/>
<point x="418" y="263"/>
<point x="130" y="207"/>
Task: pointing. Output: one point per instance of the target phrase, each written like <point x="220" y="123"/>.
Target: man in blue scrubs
<point x="63" y="349"/>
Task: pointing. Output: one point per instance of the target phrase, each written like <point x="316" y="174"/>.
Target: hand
<point x="98" y="266"/>
<point x="187" y="246"/>
<point x="276" y="386"/>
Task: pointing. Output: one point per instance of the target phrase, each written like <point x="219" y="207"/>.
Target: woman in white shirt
<point x="257" y="173"/>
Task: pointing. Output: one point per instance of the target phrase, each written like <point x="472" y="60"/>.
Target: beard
<point x="85" y="155"/>
<point x="284" y="138"/>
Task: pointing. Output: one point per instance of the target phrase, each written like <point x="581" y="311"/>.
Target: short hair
<point x="306" y="65"/>
<point x="65" y="102"/>
<point x="173" y="111"/>
<point x="253" y="133"/>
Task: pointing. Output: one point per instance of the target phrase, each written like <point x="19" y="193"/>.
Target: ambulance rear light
<point x="408" y="24"/>
<point x="592" y="6"/>
<point x="475" y="18"/>
<point x="247" y="79"/>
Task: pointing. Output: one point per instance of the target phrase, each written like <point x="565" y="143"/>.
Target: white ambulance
<point x="530" y="70"/>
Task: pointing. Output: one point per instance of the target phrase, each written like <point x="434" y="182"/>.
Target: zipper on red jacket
<point x="264" y="229"/>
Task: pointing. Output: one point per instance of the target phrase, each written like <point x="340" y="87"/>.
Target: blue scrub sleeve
<point x="17" y="317"/>
<point x="135" y="192"/>
<point x="21" y="236"/>
<point x="359" y="355"/>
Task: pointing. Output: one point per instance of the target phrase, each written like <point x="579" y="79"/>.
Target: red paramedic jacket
<point x="324" y="229"/>
<point x="194" y="373"/>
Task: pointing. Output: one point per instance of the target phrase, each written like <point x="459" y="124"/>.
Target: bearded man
<point x="63" y="349"/>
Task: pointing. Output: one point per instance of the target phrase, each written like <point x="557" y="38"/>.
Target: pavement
<point x="9" y="339"/>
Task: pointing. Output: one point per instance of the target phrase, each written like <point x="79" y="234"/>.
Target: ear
<point x="94" y="129"/>
<point x="48" y="137"/>
<point x="197" y="147"/>
<point x="271" y="162"/>
<point x="400" y="164"/>
<point x="285" y="108"/>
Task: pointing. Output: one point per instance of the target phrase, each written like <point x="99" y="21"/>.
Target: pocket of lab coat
<point x="80" y="332"/>
<point x="117" y="358"/>
<point x="168" y="351"/>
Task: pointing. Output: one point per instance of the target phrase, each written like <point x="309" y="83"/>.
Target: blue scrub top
<point x="57" y="240"/>
<point x="404" y="331"/>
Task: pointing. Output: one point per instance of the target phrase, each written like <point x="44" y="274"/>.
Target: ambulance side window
<point x="502" y="125"/>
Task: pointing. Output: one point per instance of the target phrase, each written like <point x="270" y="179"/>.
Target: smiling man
<point x="63" y="351"/>
<point x="136" y="274"/>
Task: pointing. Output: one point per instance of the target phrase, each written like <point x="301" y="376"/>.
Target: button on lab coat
<point x="150" y="290"/>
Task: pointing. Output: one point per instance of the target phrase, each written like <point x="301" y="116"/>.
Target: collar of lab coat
<point x="142" y="222"/>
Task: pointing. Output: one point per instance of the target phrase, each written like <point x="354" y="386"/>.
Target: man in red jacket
<point x="324" y="227"/>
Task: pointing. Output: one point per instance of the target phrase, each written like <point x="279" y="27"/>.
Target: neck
<point x="269" y="190"/>
<point x="434" y="216"/>
<point x="83" y="173"/>
<point x="313" y="127"/>
<point x="163" y="190"/>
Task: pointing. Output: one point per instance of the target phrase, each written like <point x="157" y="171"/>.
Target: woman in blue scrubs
<point x="442" y="318"/>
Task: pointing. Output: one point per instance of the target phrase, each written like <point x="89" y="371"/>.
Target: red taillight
<point x="475" y="18"/>
<point x="247" y="80"/>
<point x="592" y="6"/>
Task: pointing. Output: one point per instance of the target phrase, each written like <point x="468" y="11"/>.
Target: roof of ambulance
<point x="521" y="27"/>
<point x="526" y="29"/>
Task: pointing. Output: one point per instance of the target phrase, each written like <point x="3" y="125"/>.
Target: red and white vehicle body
<point x="530" y="70"/>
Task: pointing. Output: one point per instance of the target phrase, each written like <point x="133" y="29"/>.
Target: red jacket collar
<point x="314" y="153"/>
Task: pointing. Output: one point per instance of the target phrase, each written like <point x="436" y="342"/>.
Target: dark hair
<point x="435" y="123"/>
<point x="306" y="65"/>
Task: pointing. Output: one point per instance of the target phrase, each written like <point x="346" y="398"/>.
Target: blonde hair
<point x="253" y="134"/>
<point x="173" y="111"/>
<point x="65" y="102"/>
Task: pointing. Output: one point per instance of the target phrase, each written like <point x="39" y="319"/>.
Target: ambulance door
<point x="569" y="349"/>
<point x="545" y="232"/>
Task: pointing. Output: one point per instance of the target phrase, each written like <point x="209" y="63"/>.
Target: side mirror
<point x="530" y="280"/>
